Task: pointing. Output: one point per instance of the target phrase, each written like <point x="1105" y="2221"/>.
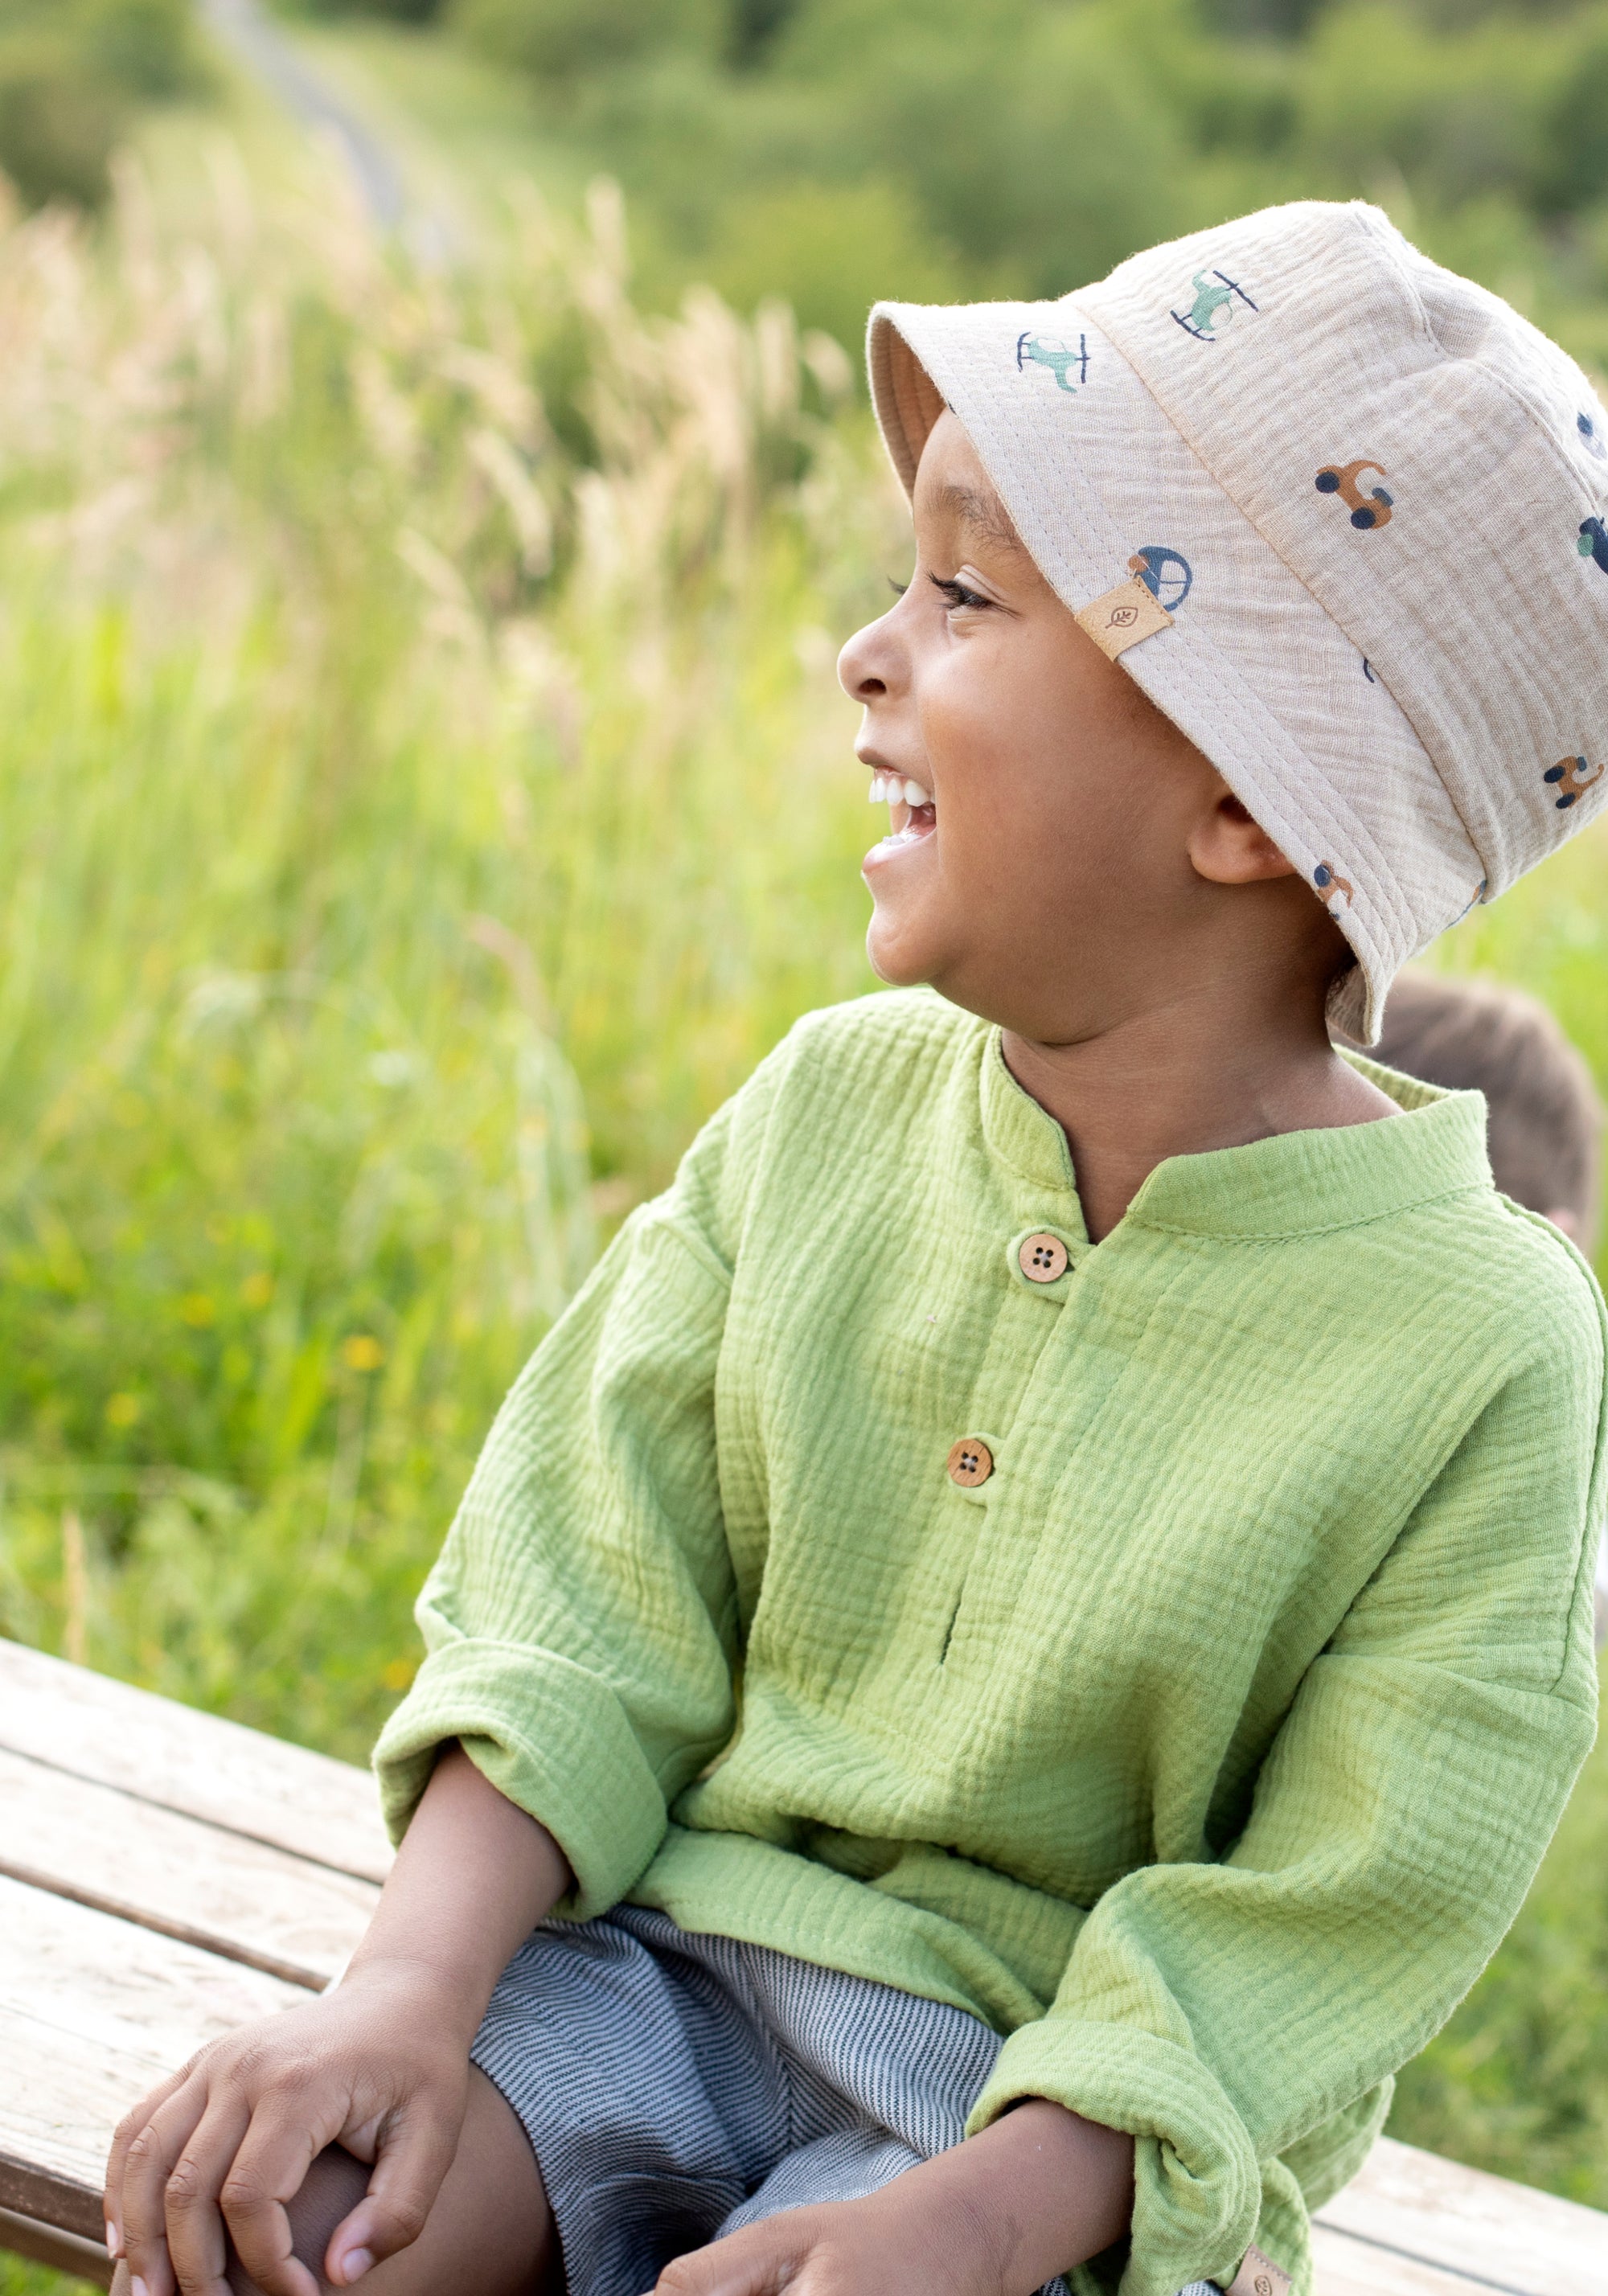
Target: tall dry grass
<point x="423" y="794"/>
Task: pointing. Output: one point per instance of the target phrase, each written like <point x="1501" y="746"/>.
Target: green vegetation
<point x="73" y="74"/>
<point x="1516" y="2083"/>
<point x="20" y="2279"/>
<point x="399" y="679"/>
<point x="835" y="151"/>
<point x="424" y="793"/>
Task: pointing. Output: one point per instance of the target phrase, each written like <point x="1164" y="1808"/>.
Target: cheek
<point x="1029" y="795"/>
<point x="974" y="710"/>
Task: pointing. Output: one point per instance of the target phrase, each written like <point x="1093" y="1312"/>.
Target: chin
<point x="894" y="961"/>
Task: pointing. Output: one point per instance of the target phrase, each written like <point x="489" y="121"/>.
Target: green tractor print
<point x="1215" y="307"/>
<point x="1046" y="350"/>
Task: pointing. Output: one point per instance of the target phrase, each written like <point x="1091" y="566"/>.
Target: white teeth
<point x="914" y="794"/>
<point x="879" y="789"/>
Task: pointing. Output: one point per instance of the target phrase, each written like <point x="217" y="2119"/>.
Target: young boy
<point x="1032" y="1623"/>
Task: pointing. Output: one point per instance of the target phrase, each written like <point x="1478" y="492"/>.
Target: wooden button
<point x="1042" y="1258"/>
<point x="970" y="1462"/>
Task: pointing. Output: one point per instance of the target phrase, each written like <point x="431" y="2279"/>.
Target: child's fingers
<point x="197" y="2245"/>
<point x="117" y="2159"/>
<point x="762" y="2260"/>
<point x="287" y="2132"/>
<point x="148" y="2161"/>
<point x="415" y="2150"/>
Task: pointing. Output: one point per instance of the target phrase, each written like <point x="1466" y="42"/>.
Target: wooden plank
<point x="191" y="1762"/>
<point x="1343" y="2266"/>
<point x="1482" y="2231"/>
<point x="93" y="2011"/>
<point x="221" y="1891"/>
<point x="63" y="2251"/>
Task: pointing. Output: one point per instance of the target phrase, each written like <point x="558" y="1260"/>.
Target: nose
<point x="868" y="665"/>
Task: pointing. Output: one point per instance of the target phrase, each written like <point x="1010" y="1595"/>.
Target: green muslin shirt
<point x="1206" y="1749"/>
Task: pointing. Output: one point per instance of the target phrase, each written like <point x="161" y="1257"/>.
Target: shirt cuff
<point x="549" y="1735"/>
<point x="1197" y="2185"/>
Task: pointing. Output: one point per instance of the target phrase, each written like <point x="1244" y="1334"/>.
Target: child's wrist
<point x="451" y="1998"/>
<point x="1039" y="2192"/>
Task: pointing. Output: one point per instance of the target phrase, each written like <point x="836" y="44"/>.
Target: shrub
<point x="562" y="39"/>
<point x="838" y="246"/>
<point x="72" y="73"/>
<point x="147" y="48"/>
<point x="59" y="125"/>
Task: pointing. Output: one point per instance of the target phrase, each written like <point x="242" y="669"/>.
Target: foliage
<point x="20" y="2279"/>
<point x="562" y="39"/>
<point x="399" y="676"/>
<point x="72" y="73"/>
<point x="1022" y="146"/>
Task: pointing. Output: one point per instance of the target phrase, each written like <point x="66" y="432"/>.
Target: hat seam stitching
<point x="1391" y="243"/>
<point x="1535" y="415"/>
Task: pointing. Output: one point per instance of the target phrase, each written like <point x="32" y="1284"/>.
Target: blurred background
<point x="435" y="480"/>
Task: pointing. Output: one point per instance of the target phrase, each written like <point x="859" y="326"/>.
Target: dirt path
<point x="252" y="35"/>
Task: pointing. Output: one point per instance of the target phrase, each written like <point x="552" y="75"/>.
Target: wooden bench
<point x="165" y="1875"/>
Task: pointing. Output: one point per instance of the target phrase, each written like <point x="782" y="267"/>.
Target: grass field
<point x="423" y="794"/>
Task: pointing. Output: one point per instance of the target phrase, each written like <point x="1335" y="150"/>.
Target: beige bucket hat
<point x="1341" y="513"/>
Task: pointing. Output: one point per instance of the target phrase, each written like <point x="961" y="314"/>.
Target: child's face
<point x="1062" y="850"/>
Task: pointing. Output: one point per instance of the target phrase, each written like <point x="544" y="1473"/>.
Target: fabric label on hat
<point x="1259" y="2276"/>
<point x="1123" y="616"/>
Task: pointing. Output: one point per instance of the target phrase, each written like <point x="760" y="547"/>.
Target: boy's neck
<point x="1182" y="1078"/>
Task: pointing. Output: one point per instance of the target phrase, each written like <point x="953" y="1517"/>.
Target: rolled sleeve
<point x="1197" y="2182"/>
<point x="552" y="1737"/>
<point x="581" y="1622"/>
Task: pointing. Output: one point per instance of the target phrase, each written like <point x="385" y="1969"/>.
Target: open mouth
<point x="912" y="812"/>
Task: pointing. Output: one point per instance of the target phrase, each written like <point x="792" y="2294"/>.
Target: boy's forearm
<point x="474" y="1876"/>
<point x="1040" y="2191"/>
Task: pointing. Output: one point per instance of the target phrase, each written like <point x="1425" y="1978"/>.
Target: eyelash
<point x="955" y="593"/>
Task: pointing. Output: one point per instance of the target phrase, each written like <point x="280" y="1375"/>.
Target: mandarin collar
<point x="1293" y="1184"/>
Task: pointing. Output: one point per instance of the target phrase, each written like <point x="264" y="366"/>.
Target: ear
<point x="1228" y="847"/>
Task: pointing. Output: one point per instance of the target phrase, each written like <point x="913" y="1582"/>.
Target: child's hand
<point x="879" y="2246"/>
<point x="998" y="2216"/>
<point x="378" y="2066"/>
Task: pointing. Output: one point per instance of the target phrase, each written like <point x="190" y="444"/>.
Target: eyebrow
<point x="985" y="513"/>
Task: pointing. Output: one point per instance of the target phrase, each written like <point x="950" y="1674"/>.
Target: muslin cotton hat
<point x="1343" y="515"/>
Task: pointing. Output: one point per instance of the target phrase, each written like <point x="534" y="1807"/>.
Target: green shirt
<point x="1208" y="1746"/>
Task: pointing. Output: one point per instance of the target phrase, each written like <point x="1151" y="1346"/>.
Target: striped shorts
<point x="675" y="2086"/>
